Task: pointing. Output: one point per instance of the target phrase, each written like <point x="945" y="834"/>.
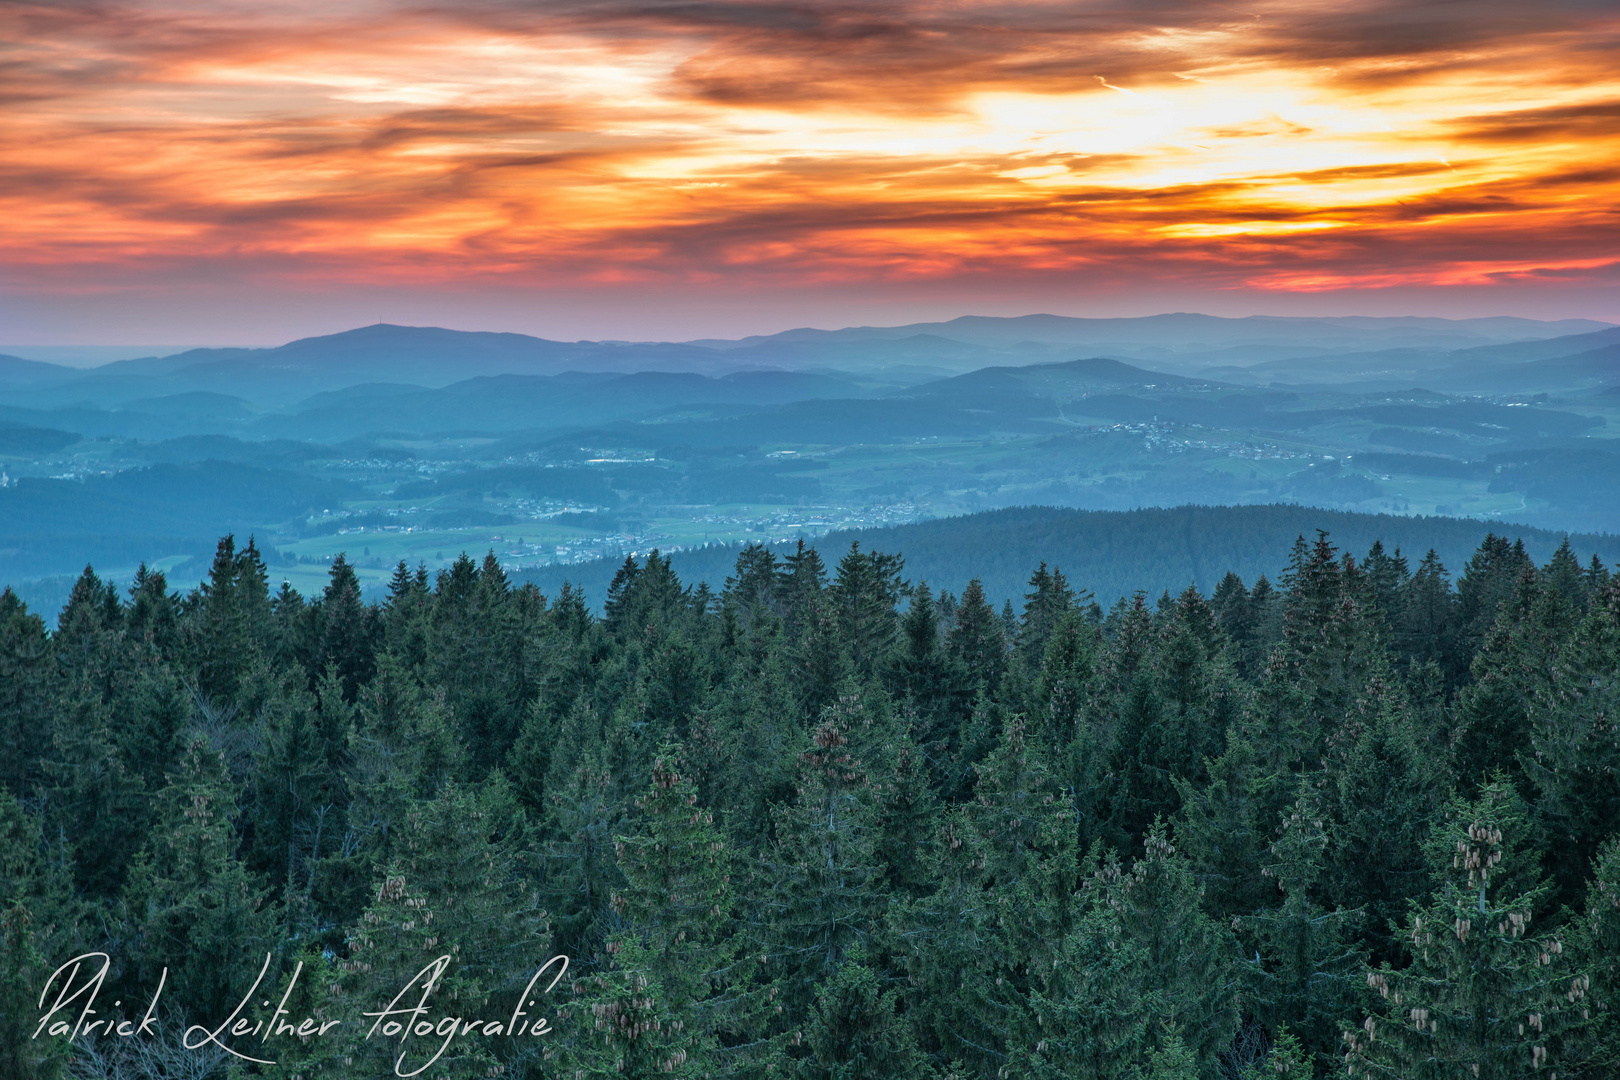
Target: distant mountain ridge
<point x="432" y="357"/>
<point x="17" y="371"/>
<point x="1188" y="328"/>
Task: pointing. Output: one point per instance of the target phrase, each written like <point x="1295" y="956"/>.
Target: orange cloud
<point x="1268" y="146"/>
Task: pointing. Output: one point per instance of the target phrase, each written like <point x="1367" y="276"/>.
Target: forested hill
<point x="818" y="825"/>
<point x="1115" y="553"/>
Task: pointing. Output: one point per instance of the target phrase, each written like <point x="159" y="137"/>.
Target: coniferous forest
<point x="828" y="822"/>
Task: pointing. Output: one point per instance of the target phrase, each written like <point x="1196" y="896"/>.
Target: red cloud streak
<point x="654" y="145"/>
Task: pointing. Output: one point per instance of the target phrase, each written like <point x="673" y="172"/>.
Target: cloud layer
<point x="674" y="143"/>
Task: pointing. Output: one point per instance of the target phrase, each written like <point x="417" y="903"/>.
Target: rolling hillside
<point x="1114" y="552"/>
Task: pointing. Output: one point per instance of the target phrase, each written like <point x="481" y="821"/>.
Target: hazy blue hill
<point x="24" y="439"/>
<point x="767" y="387"/>
<point x="1574" y="372"/>
<point x="1517" y="352"/>
<point x="359" y="396"/>
<point x="498" y="403"/>
<point x="19" y="372"/>
<point x="429" y="353"/>
<point x="431" y="356"/>
<point x="1206" y="334"/>
<point x="985" y="388"/>
<point x="1383" y="366"/>
<point x="384" y="351"/>
<point x="93" y="389"/>
<point x="937" y="355"/>
<point x="194" y="405"/>
<point x="1062" y="380"/>
<point x="50" y="526"/>
<point x="1114" y="552"/>
<point x="843" y="422"/>
<point x="1574" y="361"/>
<point x="190" y="449"/>
<point x="1099" y="371"/>
<point x="95" y="422"/>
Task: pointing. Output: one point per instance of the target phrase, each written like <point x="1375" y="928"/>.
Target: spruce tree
<point x="1171" y="717"/>
<point x="1573" y="756"/>
<point x="820" y="660"/>
<point x="1235" y="612"/>
<point x="975" y="642"/>
<point x="457" y="888"/>
<point x="586" y="803"/>
<point x="25" y="684"/>
<point x="191" y="906"/>
<point x="1095" y="1014"/>
<point x="931" y="684"/>
<point x="671" y="996"/>
<point x="295" y="793"/>
<point x="1485" y="583"/>
<point x="350" y="630"/>
<point x="619" y="1024"/>
<point x="153" y="613"/>
<point x="745" y="747"/>
<point x="1383" y="791"/>
<point x="1387" y="578"/>
<point x="1597" y="942"/>
<point x="863" y="596"/>
<point x="854" y="1032"/>
<point x="1286" y="1059"/>
<point x="22" y="969"/>
<point x="1049" y="600"/>
<point x="1219" y="829"/>
<point x="1008" y="867"/>
<point x="1484" y="993"/>
<point x="1512" y="667"/>
<point x="87" y="784"/>
<point x="1061" y="718"/>
<point x="42" y="924"/>
<point x="800" y="582"/>
<point x="1564" y="575"/>
<point x="1426" y="628"/>
<point x="1307" y="976"/>
<point x="227" y="623"/>
<point x="751" y="590"/>
<point x="818" y="895"/>
<point x="1188" y="957"/>
<point x="677" y="901"/>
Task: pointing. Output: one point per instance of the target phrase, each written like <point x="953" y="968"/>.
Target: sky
<point x="227" y="172"/>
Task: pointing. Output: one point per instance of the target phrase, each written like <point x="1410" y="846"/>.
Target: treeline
<point x="1114" y="552"/>
<point x="828" y="823"/>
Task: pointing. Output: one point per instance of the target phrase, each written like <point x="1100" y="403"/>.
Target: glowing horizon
<point x="932" y="149"/>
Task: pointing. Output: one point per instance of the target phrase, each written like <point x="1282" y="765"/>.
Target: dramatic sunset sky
<point x="246" y="172"/>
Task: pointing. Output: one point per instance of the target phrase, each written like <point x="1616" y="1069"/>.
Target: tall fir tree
<point x="1484" y="993"/>
<point x="1307" y="976"/>
<point x="1573" y="756"/>
<point x="191" y="906"/>
<point x="1187" y="956"/>
<point x="25" y="687"/>
<point x="1513" y="666"/>
<point x="672" y="994"/>
<point x="818" y="895"/>
<point x="457" y="889"/>
<point x="1597" y="941"/>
